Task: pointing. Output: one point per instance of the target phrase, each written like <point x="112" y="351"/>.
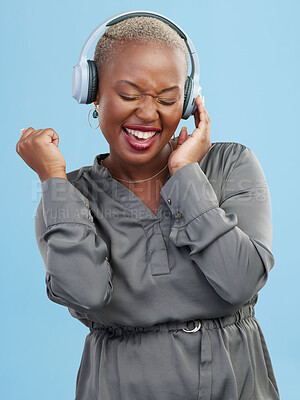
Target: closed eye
<point x="166" y="103"/>
<point x="128" y="98"/>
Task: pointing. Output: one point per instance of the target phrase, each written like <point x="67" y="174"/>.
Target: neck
<point x="132" y="172"/>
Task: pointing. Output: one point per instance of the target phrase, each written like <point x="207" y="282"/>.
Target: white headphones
<point x="85" y="78"/>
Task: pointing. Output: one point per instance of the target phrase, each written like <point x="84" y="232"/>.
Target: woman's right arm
<point x="78" y="272"/>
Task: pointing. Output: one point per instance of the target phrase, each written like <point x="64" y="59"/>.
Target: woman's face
<point x="142" y="89"/>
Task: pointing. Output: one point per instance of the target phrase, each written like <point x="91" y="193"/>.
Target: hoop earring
<point x="95" y="115"/>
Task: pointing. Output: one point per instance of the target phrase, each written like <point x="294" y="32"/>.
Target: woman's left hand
<point x="192" y="149"/>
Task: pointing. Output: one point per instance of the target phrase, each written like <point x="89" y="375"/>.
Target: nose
<point x="147" y="109"/>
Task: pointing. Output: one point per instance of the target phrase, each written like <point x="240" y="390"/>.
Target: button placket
<point x="158" y="255"/>
<point x="89" y="211"/>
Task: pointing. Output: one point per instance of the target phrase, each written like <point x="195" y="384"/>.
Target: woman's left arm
<point x="231" y="241"/>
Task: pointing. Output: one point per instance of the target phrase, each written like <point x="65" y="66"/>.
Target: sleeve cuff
<point x="63" y="202"/>
<point x="188" y="193"/>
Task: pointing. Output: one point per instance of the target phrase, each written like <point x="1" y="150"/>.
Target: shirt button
<point x="179" y="215"/>
<point x="169" y="201"/>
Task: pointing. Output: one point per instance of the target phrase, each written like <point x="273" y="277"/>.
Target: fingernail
<point x="184" y="128"/>
<point x="22" y="130"/>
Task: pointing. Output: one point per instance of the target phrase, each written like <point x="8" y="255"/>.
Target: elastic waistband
<point x="188" y="326"/>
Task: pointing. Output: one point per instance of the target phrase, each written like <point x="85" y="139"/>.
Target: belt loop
<point x="91" y="325"/>
<point x="238" y="315"/>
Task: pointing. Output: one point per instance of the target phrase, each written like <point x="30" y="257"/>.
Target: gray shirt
<point x="135" y="278"/>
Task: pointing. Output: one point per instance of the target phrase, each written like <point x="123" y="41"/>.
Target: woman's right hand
<point x="39" y="149"/>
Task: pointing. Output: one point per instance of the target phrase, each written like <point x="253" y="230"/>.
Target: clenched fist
<point x="39" y="149"/>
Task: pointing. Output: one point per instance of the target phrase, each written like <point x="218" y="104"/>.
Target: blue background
<point x="249" y="66"/>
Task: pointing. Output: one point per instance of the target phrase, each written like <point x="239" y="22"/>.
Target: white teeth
<point x="141" y="135"/>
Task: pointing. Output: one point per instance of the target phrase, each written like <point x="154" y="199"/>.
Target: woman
<point x="161" y="246"/>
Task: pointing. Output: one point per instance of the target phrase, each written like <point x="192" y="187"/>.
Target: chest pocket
<point x="157" y="250"/>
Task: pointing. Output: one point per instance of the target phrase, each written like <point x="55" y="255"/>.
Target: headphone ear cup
<point x="187" y="92"/>
<point x="93" y="82"/>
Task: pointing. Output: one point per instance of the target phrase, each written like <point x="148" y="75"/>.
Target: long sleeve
<point x="78" y="272"/>
<point x="230" y="242"/>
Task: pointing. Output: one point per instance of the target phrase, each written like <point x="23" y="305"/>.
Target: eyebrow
<point x="137" y="87"/>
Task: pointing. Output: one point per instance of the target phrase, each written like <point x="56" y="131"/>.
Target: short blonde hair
<point x="142" y="29"/>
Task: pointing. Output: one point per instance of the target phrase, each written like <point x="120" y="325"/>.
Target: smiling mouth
<point x="140" y="136"/>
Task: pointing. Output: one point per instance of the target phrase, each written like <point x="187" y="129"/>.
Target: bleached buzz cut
<point x="142" y="29"/>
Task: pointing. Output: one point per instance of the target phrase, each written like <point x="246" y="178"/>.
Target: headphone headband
<point x="81" y="72"/>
